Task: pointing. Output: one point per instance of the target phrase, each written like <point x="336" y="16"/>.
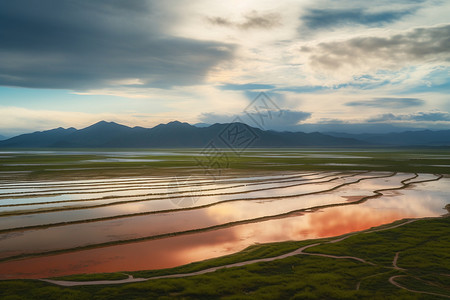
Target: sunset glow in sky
<point x="354" y="66"/>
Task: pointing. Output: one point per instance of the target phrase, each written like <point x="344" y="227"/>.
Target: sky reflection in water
<point x="422" y="200"/>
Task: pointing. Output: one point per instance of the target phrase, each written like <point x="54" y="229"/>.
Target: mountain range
<point x="236" y="136"/>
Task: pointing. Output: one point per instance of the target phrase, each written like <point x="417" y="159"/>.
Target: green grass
<point x="57" y="165"/>
<point x="424" y="246"/>
<point x="419" y="284"/>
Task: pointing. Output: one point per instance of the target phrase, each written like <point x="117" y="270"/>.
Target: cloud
<point x="220" y="21"/>
<point x="433" y="116"/>
<point x="426" y="44"/>
<point x="247" y="86"/>
<point x="387" y="102"/>
<point x="265" y="21"/>
<point x="332" y="18"/>
<point x="283" y="119"/>
<point x="252" y="20"/>
<point x="92" y="44"/>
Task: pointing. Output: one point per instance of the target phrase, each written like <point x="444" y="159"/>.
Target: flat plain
<point x="90" y="215"/>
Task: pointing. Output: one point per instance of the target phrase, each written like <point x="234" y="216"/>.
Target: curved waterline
<point x="71" y="208"/>
<point x="377" y="193"/>
<point x="43" y="226"/>
<point x="167" y="193"/>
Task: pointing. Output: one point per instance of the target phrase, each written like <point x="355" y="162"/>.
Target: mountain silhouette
<point x="236" y="136"/>
<point x="176" y="134"/>
<point x="40" y="139"/>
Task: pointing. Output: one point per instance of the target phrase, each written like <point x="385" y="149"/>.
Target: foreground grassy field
<point x="422" y="265"/>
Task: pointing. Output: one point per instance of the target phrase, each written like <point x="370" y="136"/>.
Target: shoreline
<point x="299" y="251"/>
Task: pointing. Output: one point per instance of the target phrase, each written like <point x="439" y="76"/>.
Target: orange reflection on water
<point x="175" y="251"/>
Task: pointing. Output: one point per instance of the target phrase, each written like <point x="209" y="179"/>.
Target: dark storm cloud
<point x="331" y="18"/>
<point x="86" y="44"/>
<point x="434" y="116"/>
<point x="388" y="102"/>
<point x="420" y="44"/>
<point x="252" y="20"/>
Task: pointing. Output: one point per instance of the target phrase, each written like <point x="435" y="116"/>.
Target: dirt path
<point x="394" y="226"/>
<point x="130" y="279"/>
<point x="332" y="256"/>
<point x="210" y="270"/>
<point x="299" y="251"/>
<point x="394" y="262"/>
<point x="392" y="280"/>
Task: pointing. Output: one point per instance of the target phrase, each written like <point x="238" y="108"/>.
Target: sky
<point x="319" y="65"/>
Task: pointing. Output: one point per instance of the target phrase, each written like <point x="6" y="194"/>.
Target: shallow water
<point x="172" y="204"/>
<point x="133" y="194"/>
<point x="179" y="250"/>
<point x="418" y="200"/>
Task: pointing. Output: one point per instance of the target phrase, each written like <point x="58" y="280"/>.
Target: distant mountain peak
<point x="60" y="129"/>
<point x="104" y="124"/>
<point x="178" y="123"/>
<point x="175" y="124"/>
